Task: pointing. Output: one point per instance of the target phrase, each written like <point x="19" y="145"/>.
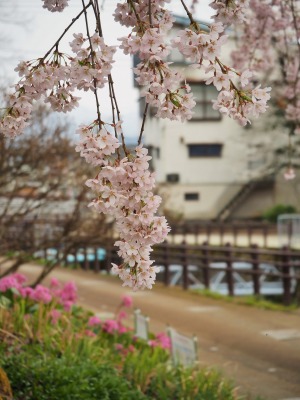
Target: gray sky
<point x="27" y="31"/>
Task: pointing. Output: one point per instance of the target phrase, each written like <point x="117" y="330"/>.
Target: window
<point x="205" y="150"/>
<point x="204" y="94"/>
<point x="173" y="178"/>
<point x="191" y="196"/>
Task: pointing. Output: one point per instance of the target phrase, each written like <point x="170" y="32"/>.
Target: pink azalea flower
<point x="12" y="281"/>
<point x="67" y="305"/>
<point x="55" y="315"/>
<point x="54" y="283"/>
<point x="69" y="292"/>
<point x="20" y="278"/>
<point x="110" y="326"/>
<point x="94" y="321"/>
<point x="90" y="333"/>
<point x="127" y="301"/>
<point x="26" y="291"/>
<point x="122" y="315"/>
<point x="41" y="293"/>
<point x="122" y="329"/>
<point x="164" y="340"/>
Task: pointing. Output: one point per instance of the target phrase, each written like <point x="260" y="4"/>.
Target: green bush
<point x="42" y="377"/>
<point x="272" y="214"/>
<point x="190" y="384"/>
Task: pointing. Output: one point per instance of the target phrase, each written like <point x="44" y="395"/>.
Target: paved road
<point x="259" y="349"/>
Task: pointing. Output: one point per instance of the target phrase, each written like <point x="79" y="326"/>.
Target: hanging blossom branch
<point x="123" y="185"/>
<point x="236" y="98"/>
<point x="147" y="40"/>
<point x="269" y="36"/>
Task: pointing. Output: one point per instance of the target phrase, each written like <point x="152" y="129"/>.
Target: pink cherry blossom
<point x="289" y="174"/>
<point x="55" y="5"/>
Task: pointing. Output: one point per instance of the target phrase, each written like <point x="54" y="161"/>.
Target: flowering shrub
<point x="49" y="352"/>
<point x="65" y="295"/>
<point x="60" y="298"/>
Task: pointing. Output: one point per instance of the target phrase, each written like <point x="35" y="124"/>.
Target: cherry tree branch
<point x="114" y="103"/>
<point x="93" y="64"/>
<point x="147" y="104"/>
<point x="67" y="29"/>
<point x="143" y="123"/>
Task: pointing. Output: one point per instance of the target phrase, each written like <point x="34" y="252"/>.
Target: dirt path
<point x="231" y="337"/>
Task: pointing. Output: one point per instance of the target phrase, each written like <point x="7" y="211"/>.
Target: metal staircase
<point x="240" y="196"/>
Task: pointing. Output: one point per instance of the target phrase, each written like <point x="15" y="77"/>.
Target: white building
<point x="208" y="166"/>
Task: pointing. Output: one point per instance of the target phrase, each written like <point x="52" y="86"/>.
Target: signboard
<point x="184" y="349"/>
<point x="141" y="325"/>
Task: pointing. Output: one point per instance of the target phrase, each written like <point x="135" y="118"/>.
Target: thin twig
<point x="147" y="104"/>
<point x="114" y="102"/>
<point x="93" y="65"/>
<point x="97" y="16"/>
<point x="113" y="115"/>
<point x="143" y="123"/>
<point x="193" y="22"/>
<point x="295" y="26"/>
<point x="111" y="82"/>
<point x="135" y="12"/>
<point x="150" y="13"/>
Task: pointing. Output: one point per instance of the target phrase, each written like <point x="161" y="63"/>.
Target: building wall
<point x="215" y="179"/>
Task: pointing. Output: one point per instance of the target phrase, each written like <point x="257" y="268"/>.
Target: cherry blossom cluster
<point x="95" y="147"/>
<point x="148" y="41"/>
<point x="243" y="104"/>
<point x="56" y="79"/>
<point x="269" y="43"/>
<point x="133" y="13"/>
<point x="55" y="5"/>
<point x="229" y="12"/>
<point x="124" y="189"/>
<point x="271" y="31"/>
<point x="236" y="99"/>
<point x="200" y="45"/>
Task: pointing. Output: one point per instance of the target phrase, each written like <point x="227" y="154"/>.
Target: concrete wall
<point x="216" y="179"/>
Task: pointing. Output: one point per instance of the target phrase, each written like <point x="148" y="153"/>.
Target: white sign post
<point x="141" y="325"/>
<point x="184" y="349"/>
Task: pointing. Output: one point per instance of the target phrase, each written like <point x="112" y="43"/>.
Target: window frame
<point x="192" y="196"/>
<point x="219" y="155"/>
